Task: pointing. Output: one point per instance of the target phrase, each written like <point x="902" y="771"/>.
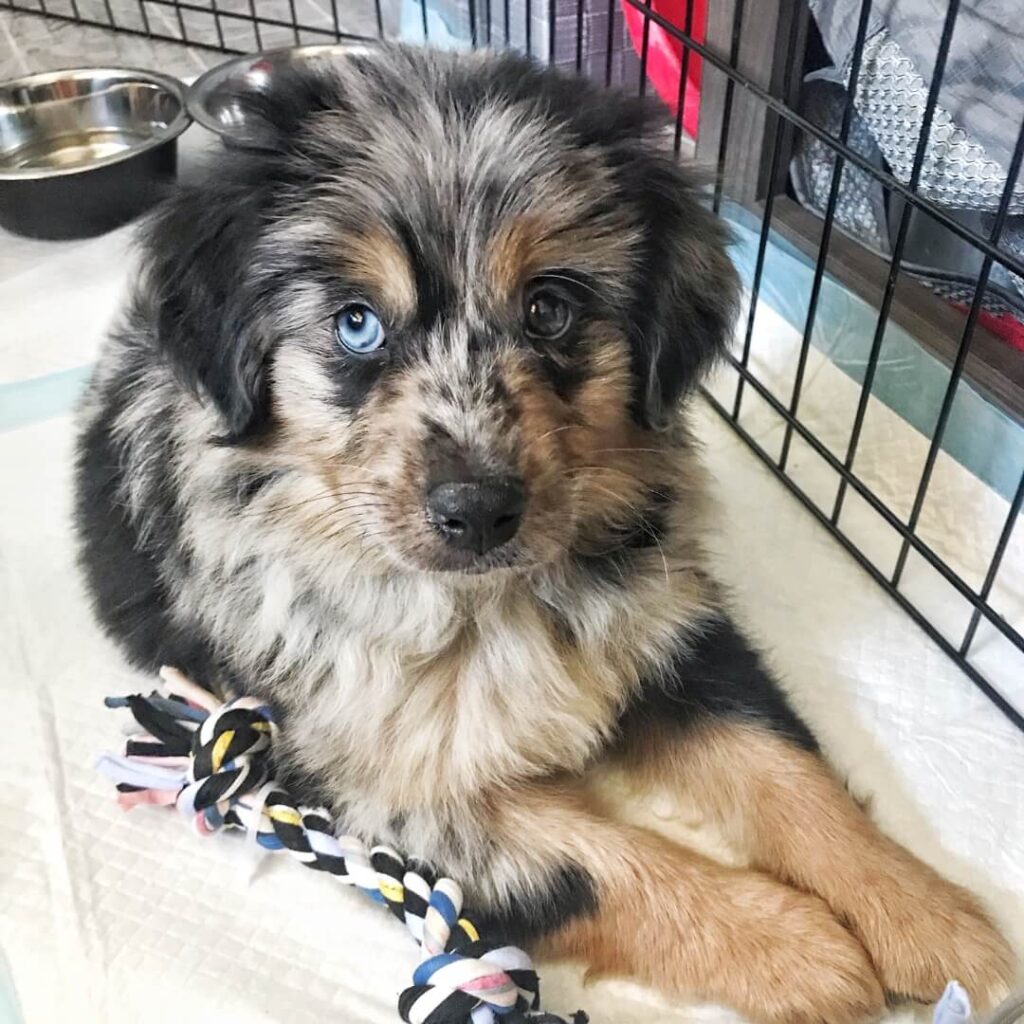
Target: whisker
<point x="631" y="506"/>
<point x="621" y="472"/>
<point x="553" y="431"/>
<point x="292" y="506"/>
<point x="652" y="451"/>
<point x="574" y="281"/>
<point x="530" y="443"/>
<point x="342" y="512"/>
<point x="358" y="534"/>
<point x="645" y="526"/>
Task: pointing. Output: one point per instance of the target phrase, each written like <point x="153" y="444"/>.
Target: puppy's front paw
<point x="929" y="931"/>
<point x="801" y="966"/>
<point x="833" y="983"/>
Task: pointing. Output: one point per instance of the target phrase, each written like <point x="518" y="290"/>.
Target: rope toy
<point x="213" y="761"/>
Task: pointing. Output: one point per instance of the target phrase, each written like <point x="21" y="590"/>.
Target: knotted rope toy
<point x="214" y="762"/>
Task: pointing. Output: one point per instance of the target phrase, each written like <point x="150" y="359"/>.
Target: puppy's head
<point x="459" y="297"/>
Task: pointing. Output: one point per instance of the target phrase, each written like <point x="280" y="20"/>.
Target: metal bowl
<point x="213" y="99"/>
<point x="85" y="150"/>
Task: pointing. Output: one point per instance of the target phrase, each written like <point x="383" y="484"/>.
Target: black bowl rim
<point x="168" y="83"/>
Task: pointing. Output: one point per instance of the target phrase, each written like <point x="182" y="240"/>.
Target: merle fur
<point x="207" y="309"/>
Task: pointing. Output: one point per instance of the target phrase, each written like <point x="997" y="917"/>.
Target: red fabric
<point x="665" y="54"/>
<point x="1005" y="326"/>
<point x="1002" y="325"/>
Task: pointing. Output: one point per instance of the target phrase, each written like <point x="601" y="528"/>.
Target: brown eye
<point x="548" y="314"/>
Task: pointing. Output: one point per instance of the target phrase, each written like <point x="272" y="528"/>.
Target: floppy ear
<point x="195" y="278"/>
<point x="688" y="294"/>
<point x="198" y="247"/>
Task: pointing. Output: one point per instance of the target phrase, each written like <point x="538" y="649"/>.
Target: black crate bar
<point x="961" y="355"/>
<point x="993" y="569"/>
<point x="515" y="25"/>
<point x="878" y="506"/>
<point x="684" y="70"/>
<point x="830" y="212"/>
<point x="897" y="255"/>
<point x="774" y="187"/>
<point x="645" y="47"/>
<point x="219" y="28"/>
<point x="218" y="15"/>
<point x="580" y="9"/>
<point x="730" y="88"/>
<point x="1011" y="712"/>
<point x="609" y="53"/>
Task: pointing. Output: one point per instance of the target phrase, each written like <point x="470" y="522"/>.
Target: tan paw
<point x="926" y="932"/>
<point x="799" y="965"/>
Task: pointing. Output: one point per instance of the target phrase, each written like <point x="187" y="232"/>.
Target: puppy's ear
<point x="688" y="293"/>
<point x="195" y="283"/>
<point x="273" y="119"/>
<point x="200" y="249"/>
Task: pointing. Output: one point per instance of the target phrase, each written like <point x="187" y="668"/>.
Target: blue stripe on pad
<point x="34" y="399"/>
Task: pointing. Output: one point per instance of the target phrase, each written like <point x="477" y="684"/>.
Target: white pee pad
<point x="107" y="917"/>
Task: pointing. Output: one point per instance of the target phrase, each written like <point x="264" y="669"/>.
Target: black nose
<point x="477" y="515"/>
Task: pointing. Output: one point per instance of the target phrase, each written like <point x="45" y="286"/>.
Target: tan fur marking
<point x="616" y="464"/>
<point x="611" y="463"/>
<point x="530" y="245"/>
<point x="543" y="420"/>
<point x="509" y="263"/>
<point x="379" y="262"/>
<point x="793" y="818"/>
<point x="603" y="400"/>
<point x="682" y="923"/>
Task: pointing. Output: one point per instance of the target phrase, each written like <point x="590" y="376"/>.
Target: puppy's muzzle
<point x="477" y="515"/>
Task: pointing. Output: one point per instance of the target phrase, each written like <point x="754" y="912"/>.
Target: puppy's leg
<point x="731" y="741"/>
<point x="670" y="918"/>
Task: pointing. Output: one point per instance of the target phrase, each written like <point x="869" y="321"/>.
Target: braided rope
<point x="212" y="761"/>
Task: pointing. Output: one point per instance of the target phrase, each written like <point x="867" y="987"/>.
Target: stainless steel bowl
<point x="213" y="99"/>
<point x="85" y="150"/>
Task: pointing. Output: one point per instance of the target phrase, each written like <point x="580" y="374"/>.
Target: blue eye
<point x="359" y="329"/>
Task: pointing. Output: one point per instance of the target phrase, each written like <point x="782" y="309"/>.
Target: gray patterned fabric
<point x="974" y="130"/>
<point x="860" y="205"/>
<point x="1012" y="241"/>
<point x="982" y="91"/>
<point x="957" y="170"/>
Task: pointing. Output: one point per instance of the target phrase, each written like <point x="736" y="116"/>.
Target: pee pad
<point x="107" y="917"/>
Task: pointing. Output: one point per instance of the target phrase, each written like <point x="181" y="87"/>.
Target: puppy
<point x="391" y="434"/>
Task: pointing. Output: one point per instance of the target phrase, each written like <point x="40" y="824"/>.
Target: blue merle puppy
<point x="392" y="434"/>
